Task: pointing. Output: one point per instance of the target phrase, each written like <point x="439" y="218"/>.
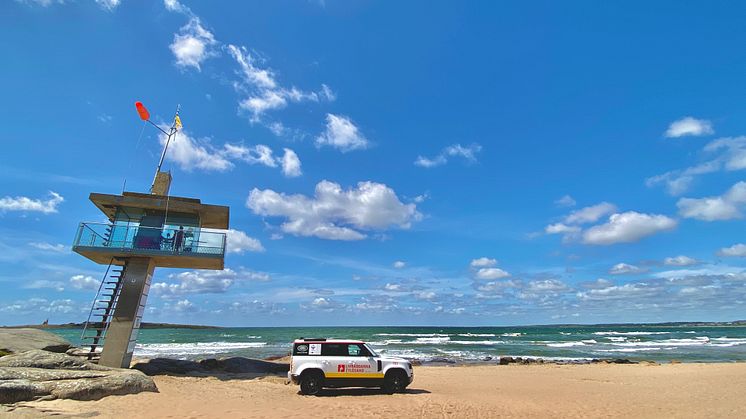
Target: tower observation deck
<point x="142" y="232"/>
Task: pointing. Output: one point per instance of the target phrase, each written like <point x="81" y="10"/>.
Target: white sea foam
<point x="699" y="340"/>
<point x="724" y="339"/>
<point x="429" y="340"/>
<point x="571" y="344"/>
<point x="613" y="333"/>
<point x="406" y="353"/>
<point x="199" y="348"/>
<point x="477" y="335"/>
<point x="630" y="350"/>
<point x="616" y="338"/>
<point x="551" y="358"/>
<point x="512" y="335"/>
<point x="476" y="342"/>
<point x="414" y="335"/>
<point x="386" y="342"/>
<point x="728" y="342"/>
<point x="465" y="355"/>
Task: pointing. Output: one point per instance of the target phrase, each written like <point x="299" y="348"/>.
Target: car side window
<point x="334" y="349"/>
<point x="353" y="350"/>
<point x="357" y="350"/>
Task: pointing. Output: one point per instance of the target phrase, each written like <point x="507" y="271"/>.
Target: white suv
<point x="318" y="363"/>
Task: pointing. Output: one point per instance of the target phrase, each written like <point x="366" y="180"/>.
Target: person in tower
<point x="179" y="239"/>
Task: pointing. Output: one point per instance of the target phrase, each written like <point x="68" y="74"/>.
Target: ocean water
<point x="459" y="344"/>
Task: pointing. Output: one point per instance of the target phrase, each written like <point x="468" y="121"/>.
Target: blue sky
<point x="387" y="163"/>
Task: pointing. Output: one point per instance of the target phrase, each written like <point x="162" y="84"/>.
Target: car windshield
<point x="372" y="352"/>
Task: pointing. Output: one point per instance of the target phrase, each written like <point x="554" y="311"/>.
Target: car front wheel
<point x="394" y="382"/>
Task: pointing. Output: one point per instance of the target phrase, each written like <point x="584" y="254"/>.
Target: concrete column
<point x="125" y="324"/>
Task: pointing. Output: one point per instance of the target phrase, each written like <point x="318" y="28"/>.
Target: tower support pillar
<point x="121" y="335"/>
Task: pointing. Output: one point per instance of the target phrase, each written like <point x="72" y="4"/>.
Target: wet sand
<point x="600" y="390"/>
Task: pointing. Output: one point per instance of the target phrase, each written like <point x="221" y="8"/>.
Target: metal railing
<point x="151" y="240"/>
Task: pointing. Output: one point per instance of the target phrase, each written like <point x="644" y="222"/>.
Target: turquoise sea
<point x="459" y="344"/>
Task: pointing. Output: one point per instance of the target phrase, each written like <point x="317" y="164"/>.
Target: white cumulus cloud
<point x="334" y="213"/>
<point x="715" y="208"/>
<point x="627" y="227"/>
<point x="291" y="166"/>
<point x="680" y="260"/>
<point x="490" y="273"/>
<point x="565" y="201"/>
<point x="262" y="91"/>
<point x="737" y="250"/>
<point x="238" y="242"/>
<point x="22" y="203"/>
<point x="483" y="262"/>
<point x="689" y="126"/>
<point x="590" y="214"/>
<point x="729" y="155"/>
<point x="191" y="153"/>
<point x="205" y="281"/>
<point x="560" y="228"/>
<point x="625" y="269"/>
<point x="193" y="45"/>
<point x="455" y="150"/>
<point x="49" y="247"/>
<point x="84" y="282"/>
<point x="109" y="5"/>
<point x="341" y="133"/>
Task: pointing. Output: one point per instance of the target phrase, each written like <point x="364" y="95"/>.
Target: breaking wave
<point x="199" y="348"/>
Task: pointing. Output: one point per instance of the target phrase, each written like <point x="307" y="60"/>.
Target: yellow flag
<point x="177" y="122"/>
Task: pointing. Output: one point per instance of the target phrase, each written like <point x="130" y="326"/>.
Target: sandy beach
<point x="601" y="390"/>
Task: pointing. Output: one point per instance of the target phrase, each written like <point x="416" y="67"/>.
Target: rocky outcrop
<point x="232" y="365"/>
<point x="21" y="340"/>
<point x="39" y="374"/>
<point x="47" y="360"/>
<point x="506" y="360"/>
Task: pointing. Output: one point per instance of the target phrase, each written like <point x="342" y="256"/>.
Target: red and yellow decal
<point x="353" y="371"/>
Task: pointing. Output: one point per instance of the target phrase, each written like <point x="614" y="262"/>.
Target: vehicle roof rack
<point x="314" y="339"/>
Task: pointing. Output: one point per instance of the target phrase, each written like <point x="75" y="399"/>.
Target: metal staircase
<point x="102" y="310"/>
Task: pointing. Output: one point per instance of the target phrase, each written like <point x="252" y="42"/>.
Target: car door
<point x="360" y="362"/>
<point x="334" y="357"/>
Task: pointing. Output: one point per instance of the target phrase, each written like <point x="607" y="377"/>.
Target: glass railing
<point x="151" y="240"/>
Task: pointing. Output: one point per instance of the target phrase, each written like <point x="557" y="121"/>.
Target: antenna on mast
<point x="162" y="180"/>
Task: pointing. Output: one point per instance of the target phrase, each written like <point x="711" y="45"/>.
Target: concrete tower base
<point x="125" y="324"/>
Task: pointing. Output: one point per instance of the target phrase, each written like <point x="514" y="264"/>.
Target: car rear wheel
<point x="394" y="382"/>
<point x="311" y="383"/>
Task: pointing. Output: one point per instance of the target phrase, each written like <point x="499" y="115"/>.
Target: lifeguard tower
<point x="142" y="232"/>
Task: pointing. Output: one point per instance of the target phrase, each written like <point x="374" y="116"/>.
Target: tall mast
<point x="171" y="133"/>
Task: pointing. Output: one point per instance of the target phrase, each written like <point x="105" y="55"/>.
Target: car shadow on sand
<point x="336" y="392"/>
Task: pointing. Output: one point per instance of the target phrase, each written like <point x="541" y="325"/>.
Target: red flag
<point x="144" y="114"/>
